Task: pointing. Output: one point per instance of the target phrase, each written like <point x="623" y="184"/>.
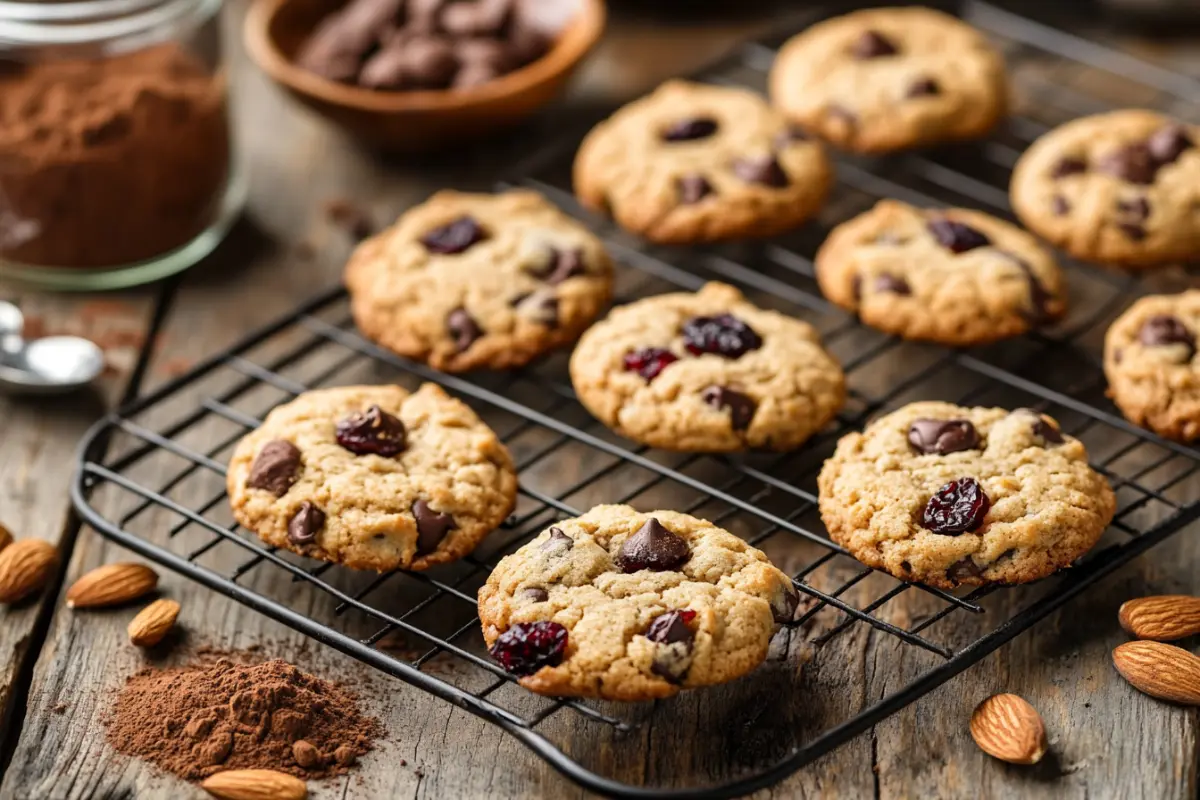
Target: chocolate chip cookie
<point x="890" y="78"/>
<point x="697" y="163"/>
<point x="943" y="495"/>
<point x="623" y="605"/>
<point x="1120" y="188"/>
<point x="1150" y="361"/>
<point x="953" y="276"/>
<point x="373" y="477"/>
<point x="475" y="280"/>
<point x="707" y="372"/>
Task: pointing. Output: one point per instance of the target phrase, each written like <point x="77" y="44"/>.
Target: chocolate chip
<point x="923" y="87"/>
<point x="558" y="543"/>
<point x="1039" y="297"/>
<point x="454" y="237"/>
<point x="1135" y="232"/>
<point x="432" y="527"/>
<point x="275" y="467"/>
<point x="693" y="189"/>
<point x="964" y="569"/>
<point x="1042" y="428"/>
<point x="463" y="328"/>
<point x="789" y="136"/>
<point x="687" y="130"/>
<point x="762" y="169"/>
<point x="1136" y="209"/>
<point x="372" y="432"/>
<point x="942" y="436"/>
<point x="540" y="306"/>
<point x="957" y="237"/>
<point x="741" y="408"/>
<point x="784" y="604"/>
<point x="564" y="264"/>
<point x="1163" y="330"/>
<point x="1167" y="144"/>
<point x="1068" y="166"/>
<point x="672" y="627"/>
<point x="890" y="284"/>
<point x="1131" y="162"/>
<point x="535" y="594"/>
<point x="304" y="526"/>
<point x="856" y="287"/>
<point x="1059" y="205"/>
<point x="872" y="44"/>
<point x="652" y="547"/>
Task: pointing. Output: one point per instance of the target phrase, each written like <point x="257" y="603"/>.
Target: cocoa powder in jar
<point x="109" y="161"/>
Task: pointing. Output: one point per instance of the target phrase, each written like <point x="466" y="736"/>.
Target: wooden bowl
<point x="413" y="121"/>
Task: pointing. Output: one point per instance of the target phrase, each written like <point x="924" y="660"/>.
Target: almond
<point x="1006" y="727"/>
<point x="112" y="584"/>
<point x="152" y="623"/>
<point x="254" y="784"/>
<point x="25" y="567"/>
<point x="5" y="537"/>
<point x="1160" y="670"/>
<point x="1164" y="618"/>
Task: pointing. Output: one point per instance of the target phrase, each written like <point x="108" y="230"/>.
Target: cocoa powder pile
<point x="195" y="720"/>
<point x="109" y="161"/>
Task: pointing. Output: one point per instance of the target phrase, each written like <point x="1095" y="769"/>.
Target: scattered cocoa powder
<point x="209" y="716"/>
<point x="109" y="161"/>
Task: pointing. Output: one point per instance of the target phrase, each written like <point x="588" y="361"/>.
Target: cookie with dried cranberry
<point x="1151" y="365"/>
<point x="625" y="605"/>
<point x="464" y="281"/>
<point x="943" y="495"/>
<point x="373" y="477"/>
<point x="1120" y="188"/>
<point x="707" y="372"/>
<point x="697" y="163"/>
<point x="953" y="276"/>
<point x="890" y="78"/>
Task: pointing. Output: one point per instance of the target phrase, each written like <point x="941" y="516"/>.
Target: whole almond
<point x="1160" y="670"/>
<point x="5" y="537"/>
<point x="254" y="784"/>
<point x="1007" y="727"/>
<point x="111" y="585"/>
<point x="1164" y="617"/>
<point x="153" y="622"/>
<point x="25" y="566"/>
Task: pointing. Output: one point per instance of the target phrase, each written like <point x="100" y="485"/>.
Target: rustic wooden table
<point x="58" y="667"/>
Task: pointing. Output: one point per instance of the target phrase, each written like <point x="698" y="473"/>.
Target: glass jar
<point x="117" y="161"/>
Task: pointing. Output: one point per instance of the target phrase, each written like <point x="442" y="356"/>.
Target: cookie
<point x="953" y="276"/>
<point x="1120" y="188"/>
<point x="890" y="78"/>
<point x="707" y="372"/>
<point x="623" y="605"/>
<point x="943" y="495"/>
<point x="464" y="281"/>
<point x="699" y="163"/>
<point x="373" y="477"/>
<point x="1150" y="362"/>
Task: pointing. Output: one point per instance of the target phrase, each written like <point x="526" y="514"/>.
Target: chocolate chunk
<point x="1068" y="166"/>
<point x="872" y="44"/>
<point x="964" y="569"/>
<point x="463" y="328"/>
<point x="304" y="526"/>
<point x="890" y="284"/>
<point x="535" y="594"/>
<point x="762" y="169"/>
<point x="275" y="468"/>
<point x="540" y="306"/>
<point x="432" y="527"/>
<point x="693" y="189"/>
<point x="1041" y="427"/>
<point x="784" y="604"/>
<point x="1135" y="232"/>
<point x="1163" y="330"/>
<point x="1039" y="297"/>
<point x="454" y="237"/>
<point x="741" y="408"/>
<point x="1131" y="162"/>
<point x="672" y="627"/>
<point x="564" y="264"/>
<point x="558" y="543"/>
<point x="942" y="436"/>
<point x="1167" y="144"/>
<point x="372" y="432"/>
<point x="687" y="130"/>
<point x="1059" y="205"/>
<point x="856" y="287"/>
<point x="923" y="87"/>
<point x="957" y="237"/>
<point x="652" y="547"/>
<point x="1136" y="209"/>
<point x="791" y="135"/>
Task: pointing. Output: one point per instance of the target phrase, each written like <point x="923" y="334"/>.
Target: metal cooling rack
<point x="151" y="475"/>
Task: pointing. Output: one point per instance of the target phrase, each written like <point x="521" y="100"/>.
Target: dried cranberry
<point x="725" y="335"/>
<point x="372" y="432"/>
<point x="686" y="130"/>
<point x="649" y="361"/>
<point x="942" y="436"/>
<point x="454" y="237"/>
<point x="526" y="647"/>
<point x="957" y="237"/>
<point x="958" y="507"/>
<point x="652" y="547"/>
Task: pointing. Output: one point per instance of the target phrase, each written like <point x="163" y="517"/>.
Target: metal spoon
<point x="52" y="365"/>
